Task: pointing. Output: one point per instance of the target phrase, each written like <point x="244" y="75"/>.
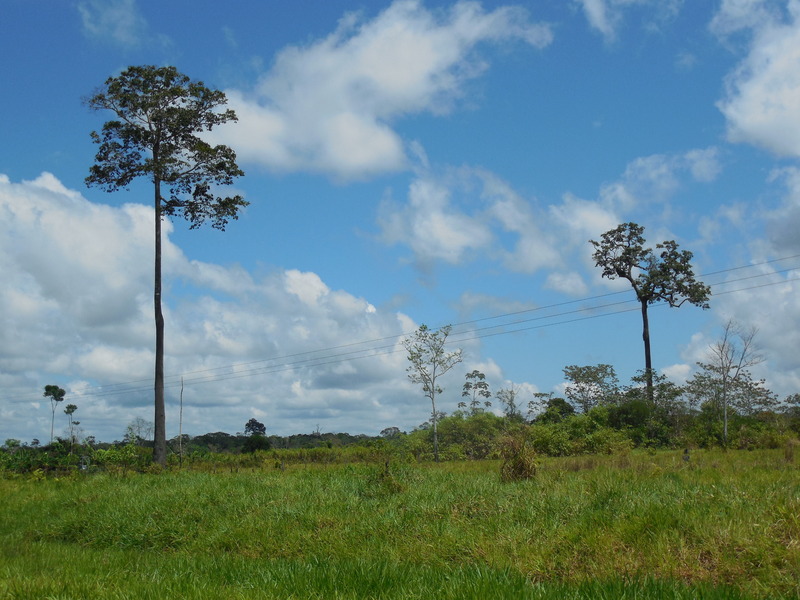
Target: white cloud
<point x="606" y="16"/>
<point x="77" y="308"/>
<point x="783" y="223"/>
<point x="570" y="283"/>
<point x="329" y="106"/>
<point x="117" y="21"/>
<point x="657" y="177"/>
<point x="431" y="226"/>
<point x="762" y="97"/>
<point x="736" y="15"/>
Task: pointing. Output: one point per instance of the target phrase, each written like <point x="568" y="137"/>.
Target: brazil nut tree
<point x="159" y="115"/>
<point x="55" y="394"/>
<point x="661" y="275"/>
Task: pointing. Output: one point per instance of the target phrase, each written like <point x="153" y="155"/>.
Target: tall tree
<point x="69" y="410"/>
<point x="661" y="275"/>
<point x="254" y="427"/>
<point x="56" y="395"/>
<point x="159" y="114"/>
<point x="429" y="362"/>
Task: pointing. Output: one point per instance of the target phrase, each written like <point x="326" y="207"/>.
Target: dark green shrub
<point x="256" y="442"/>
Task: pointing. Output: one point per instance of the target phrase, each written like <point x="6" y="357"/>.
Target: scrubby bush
<point x="519" y="458"/>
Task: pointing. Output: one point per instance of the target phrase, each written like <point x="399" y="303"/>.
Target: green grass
<point x="727" y="525"/>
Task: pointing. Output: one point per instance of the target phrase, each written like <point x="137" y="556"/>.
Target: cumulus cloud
<point x="329" y="106"/>
<point x="458" y="215"/>
<point x="77" y="310"/>
<point x="431" y="225"/>
<point x="762" y="94"/>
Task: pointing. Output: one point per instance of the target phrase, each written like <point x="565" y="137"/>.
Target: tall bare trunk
<point x="648" y="361"/>
<point x="160" y="435"/>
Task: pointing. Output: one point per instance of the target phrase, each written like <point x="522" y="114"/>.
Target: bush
<point x="519" y="458"/>
<point x="550" y="439"/>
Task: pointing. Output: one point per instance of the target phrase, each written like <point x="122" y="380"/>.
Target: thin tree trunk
<point x="648" y="362"/>
<point x="435" y="433"/>
<point x="160" y="436"/>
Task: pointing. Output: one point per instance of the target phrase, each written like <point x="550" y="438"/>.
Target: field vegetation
<point x="370" y="523"/>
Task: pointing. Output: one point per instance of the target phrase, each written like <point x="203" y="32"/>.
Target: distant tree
<point x="390" y="432"/>
<point x="508" y="400"/>
<point x="429" y="362"/>
<point x="475" y="388"/>
<point x="69" y="411"/>
<point x="139" y="430"/>
<point x="555" y="411"/>
<point x="56" y="395"/>
<point x="159" y="114"/>
<point x="253" y="427"/>
<point x="725" y="381"/>
<point x="664" y="276"/>
<point x="590" y="385"/>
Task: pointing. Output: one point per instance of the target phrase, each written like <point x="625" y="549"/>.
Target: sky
<point x="406" y="163"/>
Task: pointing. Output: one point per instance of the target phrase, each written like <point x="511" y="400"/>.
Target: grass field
<point x="724" y="525"/>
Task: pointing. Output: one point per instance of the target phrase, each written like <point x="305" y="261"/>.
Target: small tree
<point x="69" y="410"/>
<point x="725" y="380"/>
<point x="429" y="362"/>
<point x="475" y="388"/>
<point x="590" y="385"/>
<point x="159" y="113"/>
<point x="555" y="411"/>
<point x="508" y="399"/>
<point x="56" y="395"/>
<point x="253" y="427"/>
<point x="664" y="276"/>
<point x="139" y="430"/>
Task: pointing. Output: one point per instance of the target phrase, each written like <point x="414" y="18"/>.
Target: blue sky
<point x="406" y="162"/>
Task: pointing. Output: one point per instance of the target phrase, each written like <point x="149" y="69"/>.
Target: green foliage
<point x="256" y="442"/>
<point x="590" y="386"/>
<point x="159" y="114"/>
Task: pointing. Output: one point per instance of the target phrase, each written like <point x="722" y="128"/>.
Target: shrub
<point x="519" y="458"/>
<point x="256" y="442"/>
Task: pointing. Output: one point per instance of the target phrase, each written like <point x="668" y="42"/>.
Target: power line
<point x="334" y="354"/>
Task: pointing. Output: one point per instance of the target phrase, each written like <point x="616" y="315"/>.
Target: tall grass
<point x="724" y="525"/>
